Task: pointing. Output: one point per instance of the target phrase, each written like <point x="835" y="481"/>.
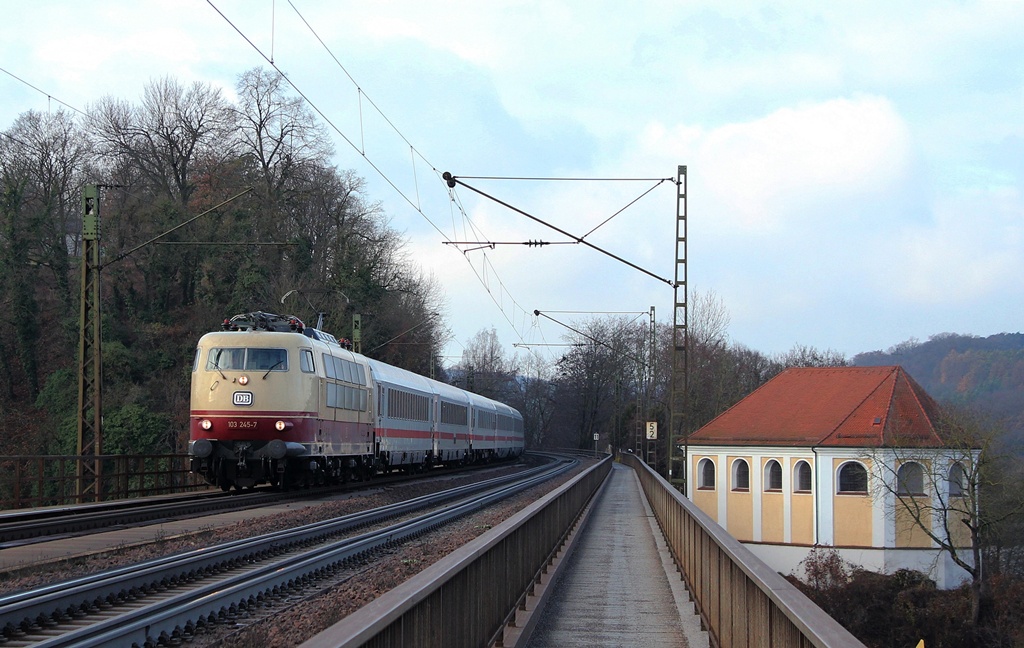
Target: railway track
<point x="37" y="525"/>
<point x="170" y="599"/>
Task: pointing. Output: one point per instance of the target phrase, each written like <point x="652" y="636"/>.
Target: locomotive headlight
<point x="243" y="380"/>
<point x="206" y="424"/>
<point x="283" y="425"/>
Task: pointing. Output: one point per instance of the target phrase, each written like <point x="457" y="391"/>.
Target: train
<point x="276" y="402"/>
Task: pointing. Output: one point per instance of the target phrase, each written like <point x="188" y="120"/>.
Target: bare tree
<point x="168" y="136"/>
<point x="807" y="356"/>
<point x="944" y="496"/>
<point x="277" y="132"/>
<point x="484" y="367"/>
<point x="599" y="380"/>
<point x="535" y="398"/>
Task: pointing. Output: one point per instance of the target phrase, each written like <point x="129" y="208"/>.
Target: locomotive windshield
<point x="250" y="359"/>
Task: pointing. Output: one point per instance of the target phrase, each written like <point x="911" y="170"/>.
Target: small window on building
<point x="910" y="479"/>
<point x="853" y="478"/>
<point x="706" y="474"/>
<point x="957" y="480"/>
<point x="802" y="477"/>
<point x="740" y="475"/>
<point x="773" y="476"/>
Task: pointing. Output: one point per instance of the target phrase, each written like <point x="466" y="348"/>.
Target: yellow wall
<point x="908" y="532"/>
<point x="772" y="518"/>
<point x="739" y="504"/>
<point x="959" y="532"/>
<point x="802" y="518"/>
<point x="772" y="511"/>
<point x="707" y="501"/>
<point x="852" y="514"/>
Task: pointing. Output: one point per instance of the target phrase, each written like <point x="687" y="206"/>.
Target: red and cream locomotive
<point x="275" y="402"/>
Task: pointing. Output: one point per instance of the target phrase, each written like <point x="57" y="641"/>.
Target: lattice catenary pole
<point x="90" y="373"/>
<point x="680" y="350"/>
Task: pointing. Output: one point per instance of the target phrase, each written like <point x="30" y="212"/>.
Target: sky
<point x="854" y="171"/>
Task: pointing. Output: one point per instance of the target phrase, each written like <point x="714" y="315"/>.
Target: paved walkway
<point x="619" y="587"/>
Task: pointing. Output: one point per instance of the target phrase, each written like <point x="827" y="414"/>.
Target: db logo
<point x="243" y="398"/>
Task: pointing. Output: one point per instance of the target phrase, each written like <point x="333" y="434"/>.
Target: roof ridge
<point x="891" y="404"/>
<point x="913" y="386"/>
<point x="871" y="392"/>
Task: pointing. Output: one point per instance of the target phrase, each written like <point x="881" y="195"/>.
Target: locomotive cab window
<point x="306" y="361"/>
<point x="251" y="359"/>
<point x="225" y="359"/>
<point x="266" y="359"/>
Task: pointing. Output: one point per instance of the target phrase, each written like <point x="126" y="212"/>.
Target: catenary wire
<point x="486" y="265"/>
<point x="42" y="92"/>
<point x="362" y="153"/>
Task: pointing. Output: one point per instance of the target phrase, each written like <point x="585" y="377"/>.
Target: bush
<point x="900" y="609"/>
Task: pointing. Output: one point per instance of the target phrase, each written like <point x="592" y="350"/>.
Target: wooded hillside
<point x="987" y="372"/>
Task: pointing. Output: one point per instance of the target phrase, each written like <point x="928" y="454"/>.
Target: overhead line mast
<point x="89" y="473"/>
<point x="680" y="335"/>
<point x="90" y="374"/>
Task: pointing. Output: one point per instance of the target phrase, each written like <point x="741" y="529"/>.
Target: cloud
<point x="765" y="174"/>
<point x="972" y="250"/>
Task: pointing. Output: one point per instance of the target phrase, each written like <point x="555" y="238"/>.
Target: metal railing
<point x="465" y="599"/>
<point x="741" y="600"/>
<point x="49" y="480"/>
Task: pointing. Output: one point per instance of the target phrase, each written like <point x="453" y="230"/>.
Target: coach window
<point x="306" y="360"/>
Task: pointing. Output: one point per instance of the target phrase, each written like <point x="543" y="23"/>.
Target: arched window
<point x="740" y="475"/>
<point x="910" y="479"/>
<point x="853" y="478"/>
<point x="802" y="477"/>
<point x="773" y="476"/>
<point x="706" y="474"/>
<point x="957" y="478"/>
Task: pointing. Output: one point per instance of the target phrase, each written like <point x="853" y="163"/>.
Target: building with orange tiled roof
<point x="817" y="457"/>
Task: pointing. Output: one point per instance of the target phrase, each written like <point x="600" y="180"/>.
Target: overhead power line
<point x="361" y="150"/>
<point x="42" y="92"/>
<point x="453" y="180"/>
<point x="486" y="274"/>
<point x="563" y="179"/>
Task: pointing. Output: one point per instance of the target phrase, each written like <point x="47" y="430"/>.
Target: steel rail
<point x="24" y="527"/>
<point x="23" y="611"/>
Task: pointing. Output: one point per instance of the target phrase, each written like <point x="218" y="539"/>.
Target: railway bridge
<point x="640" y="565"/>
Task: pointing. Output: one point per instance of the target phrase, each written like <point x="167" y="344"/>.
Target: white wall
<point x="787" y="559"/>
